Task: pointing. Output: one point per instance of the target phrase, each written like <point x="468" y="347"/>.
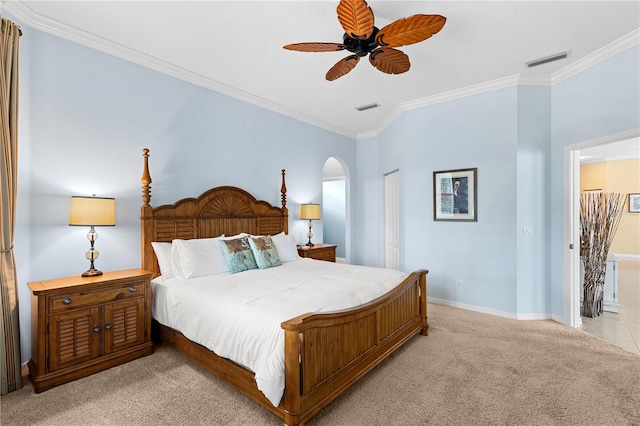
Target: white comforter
<point x="238" y="316"/>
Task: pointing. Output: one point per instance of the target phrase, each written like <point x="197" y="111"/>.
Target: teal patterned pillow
<point x="264" y="252"/>
<point x="238" y="254"/>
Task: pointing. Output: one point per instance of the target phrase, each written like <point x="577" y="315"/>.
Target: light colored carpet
<point x="471" y="369"/>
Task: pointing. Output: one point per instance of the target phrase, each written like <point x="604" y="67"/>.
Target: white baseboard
<point x="627" y="256"/>
<point x="519" y="317"/>
<point x="534" y="317"/>
<point x="471" y="307"/>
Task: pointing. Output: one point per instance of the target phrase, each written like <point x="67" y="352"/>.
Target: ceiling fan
<point x="362" y="38"/>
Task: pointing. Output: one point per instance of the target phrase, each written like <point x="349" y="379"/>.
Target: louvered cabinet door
<point x="74" y="337"/>
<point x="124" y="325"/>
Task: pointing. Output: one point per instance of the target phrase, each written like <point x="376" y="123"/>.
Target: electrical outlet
<point x="459" y="283"/>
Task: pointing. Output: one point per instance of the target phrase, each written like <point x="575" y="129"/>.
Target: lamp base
<point x="310" y="234"/>
<point x="91" y="273"/>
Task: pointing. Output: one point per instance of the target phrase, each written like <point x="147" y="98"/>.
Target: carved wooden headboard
<point x="223" y="210"/>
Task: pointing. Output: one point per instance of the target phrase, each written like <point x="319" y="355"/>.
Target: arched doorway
<point x="334" y="206"/>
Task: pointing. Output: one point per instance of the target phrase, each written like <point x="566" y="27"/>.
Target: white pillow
<point x="286" y="247"/>
<point x="200" y="257"/>
<point x="163" y="254"/>
<point x="175" y="261"/>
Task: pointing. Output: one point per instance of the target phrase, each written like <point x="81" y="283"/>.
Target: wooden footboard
<point x="326" y="353"/>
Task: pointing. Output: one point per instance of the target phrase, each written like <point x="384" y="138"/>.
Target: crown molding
<point x="600" y="55"/>
<point x="463" y="92"/>
<point x="608" y="158"/>
<point x="24" y="13"/>
<point x="535" y="80"/>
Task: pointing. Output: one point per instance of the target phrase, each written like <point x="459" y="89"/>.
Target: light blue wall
<point x="333" y="214"/>
<point x="533" y="184"/>
<point x="477" y="131"/>
<point x="602" y="100"/>
<point x="85" y="117"/>
<point x="369" y="204"/>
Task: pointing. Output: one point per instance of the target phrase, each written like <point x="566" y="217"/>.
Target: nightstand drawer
<point x="326" y="252"/>
<point x="328" y="255"/>
<point x="96" y="297"/>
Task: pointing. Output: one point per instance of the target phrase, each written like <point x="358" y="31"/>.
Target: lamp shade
<point x="310" y="211"/>
<point x="92" y="211"/>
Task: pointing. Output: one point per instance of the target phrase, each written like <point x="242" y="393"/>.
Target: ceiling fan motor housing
<point x="361" y="47"/>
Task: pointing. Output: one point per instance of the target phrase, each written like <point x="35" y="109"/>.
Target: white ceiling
<point x="235" y="47"/>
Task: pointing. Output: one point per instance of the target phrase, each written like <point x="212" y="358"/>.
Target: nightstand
<point x="319" y="252"/>
<point x="83" y="325"/>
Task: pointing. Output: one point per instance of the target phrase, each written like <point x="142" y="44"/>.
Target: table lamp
<point x="92" y="211"/>
<point x="310" y="212"/>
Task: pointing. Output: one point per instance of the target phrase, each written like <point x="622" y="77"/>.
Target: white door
<point x="391" y="220"/>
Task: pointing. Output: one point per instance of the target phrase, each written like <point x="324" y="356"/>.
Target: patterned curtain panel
<point x="9" y="320"/>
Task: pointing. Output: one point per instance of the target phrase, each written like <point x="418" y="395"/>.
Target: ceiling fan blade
<point x="410" y="30"/>
<point x="356" y="18"/>
<point x="390" y="61"/>
<point x="315" y="47"/>
<point x="342" y="67"/>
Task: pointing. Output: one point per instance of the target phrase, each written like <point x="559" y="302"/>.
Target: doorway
<point x="334" y="206"/>
<point x="623" y="145"/>
<point x="615" y="167"/>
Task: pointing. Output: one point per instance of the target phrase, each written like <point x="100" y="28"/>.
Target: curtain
<point x="9" y="318"/>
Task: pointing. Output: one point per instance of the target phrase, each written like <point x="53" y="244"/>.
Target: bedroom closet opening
<point x="334" y="206"/>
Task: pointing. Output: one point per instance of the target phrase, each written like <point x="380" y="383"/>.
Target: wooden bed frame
<point x="324" y="353"/>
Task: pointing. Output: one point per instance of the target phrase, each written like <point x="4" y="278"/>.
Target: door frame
<point x="572" y="315"/>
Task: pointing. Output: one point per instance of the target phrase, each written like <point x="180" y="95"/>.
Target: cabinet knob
<point x="132" y="289"/>
<point x="96" y="329"/>
<point x="66" y="301"/>
<point x="107" y="327"/>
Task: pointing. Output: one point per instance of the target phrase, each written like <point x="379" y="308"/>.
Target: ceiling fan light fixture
<point x="362" y="38"/>
<point x="368" y="106"/>
<point x="547" y="59"/>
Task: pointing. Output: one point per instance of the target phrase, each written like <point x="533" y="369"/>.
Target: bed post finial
<point x="283" y="190"/>
<point x="146" y="179"/>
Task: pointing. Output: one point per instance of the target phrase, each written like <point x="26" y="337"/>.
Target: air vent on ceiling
<point x="548" y="59"/>
<point x="366" y="107"/>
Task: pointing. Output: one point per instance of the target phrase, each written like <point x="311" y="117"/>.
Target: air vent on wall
<point x="548" y="59"/>
<point x="366" y="107"/>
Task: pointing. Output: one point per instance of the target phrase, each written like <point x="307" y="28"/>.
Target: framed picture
<point x="455" y="195"/>
<point x="634" y="203"/>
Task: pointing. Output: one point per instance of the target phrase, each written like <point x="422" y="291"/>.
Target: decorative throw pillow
<point x="265" y="252"/>
<point x="238" y="254"/>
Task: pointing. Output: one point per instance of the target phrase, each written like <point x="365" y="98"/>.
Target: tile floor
<point x="621" y="329"/>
